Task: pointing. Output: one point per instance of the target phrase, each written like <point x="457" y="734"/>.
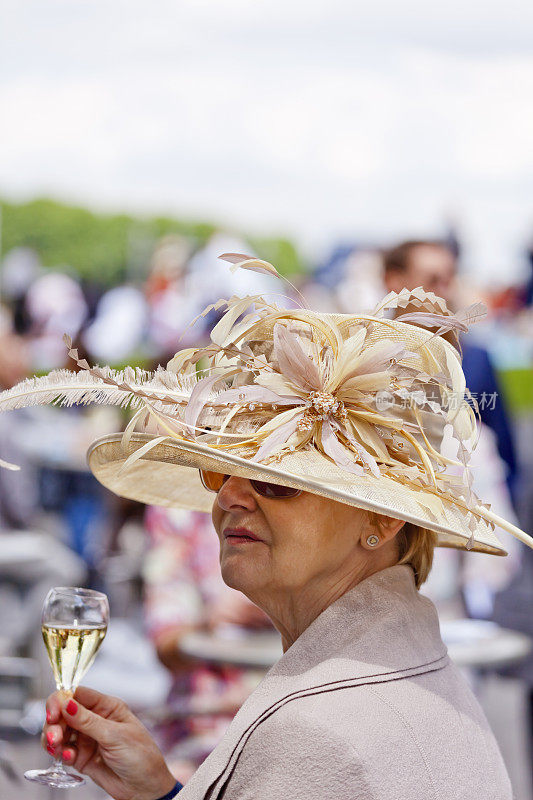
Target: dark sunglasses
<point x="214" y="481"/>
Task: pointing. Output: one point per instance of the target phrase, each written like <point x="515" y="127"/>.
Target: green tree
<point x="110" y="248"/>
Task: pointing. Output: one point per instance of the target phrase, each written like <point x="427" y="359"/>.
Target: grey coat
<point x="365" y="705"/>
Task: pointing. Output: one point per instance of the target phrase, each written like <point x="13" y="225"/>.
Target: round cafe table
<point x="480" y="644"/>
<point x="233" y="645"/>
<point x="471" y="643"/>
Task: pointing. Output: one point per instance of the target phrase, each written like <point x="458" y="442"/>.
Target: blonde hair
<point x="415" y="547"/>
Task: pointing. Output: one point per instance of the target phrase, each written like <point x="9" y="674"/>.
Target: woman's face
<point x="304" y="542"/>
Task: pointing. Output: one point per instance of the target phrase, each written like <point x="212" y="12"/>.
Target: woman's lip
<point x="240" y="533"/>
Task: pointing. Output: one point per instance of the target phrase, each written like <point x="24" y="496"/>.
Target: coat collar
<point x="380" y="630"/>
<point x="382" y="624"/>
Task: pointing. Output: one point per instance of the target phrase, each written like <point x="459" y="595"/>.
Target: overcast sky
<point x="322" y="120"/>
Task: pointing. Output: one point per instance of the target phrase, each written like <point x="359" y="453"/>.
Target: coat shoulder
<point x="294" y="753"/>
<point x="423" y="736"/>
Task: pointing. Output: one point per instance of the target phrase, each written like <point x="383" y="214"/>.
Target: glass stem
<point x="59" y="766"/>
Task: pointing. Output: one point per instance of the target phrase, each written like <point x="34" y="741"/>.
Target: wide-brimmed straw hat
<point x="363" y="409"/>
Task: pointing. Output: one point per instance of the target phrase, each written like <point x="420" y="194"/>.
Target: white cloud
<point x="344" y="119"/>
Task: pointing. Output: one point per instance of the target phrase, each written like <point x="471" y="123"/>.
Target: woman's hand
<point x="110" y="745"/>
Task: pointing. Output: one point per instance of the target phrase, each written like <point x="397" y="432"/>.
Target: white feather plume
<point x="63" y="387"/>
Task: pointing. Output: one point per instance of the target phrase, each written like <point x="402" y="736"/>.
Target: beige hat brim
<point x="167" y="475"/>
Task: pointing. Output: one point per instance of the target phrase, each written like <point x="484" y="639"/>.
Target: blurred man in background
<point x="467" y="587"/>
<point x="434" y="266"/>
<point x="430" y="264"/>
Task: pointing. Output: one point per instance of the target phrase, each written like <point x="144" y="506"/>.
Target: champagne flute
<point x="74" y="623"/>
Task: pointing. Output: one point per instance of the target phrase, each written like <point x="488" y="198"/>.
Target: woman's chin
<point x="237" y="574"/>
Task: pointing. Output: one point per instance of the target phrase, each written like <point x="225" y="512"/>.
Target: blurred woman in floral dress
<point x="184" y="591"/>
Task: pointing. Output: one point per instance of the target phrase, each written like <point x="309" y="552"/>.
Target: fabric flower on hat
<point x="325" y="396"/>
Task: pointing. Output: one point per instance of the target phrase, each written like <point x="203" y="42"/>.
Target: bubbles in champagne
<point x="71" y="651"/>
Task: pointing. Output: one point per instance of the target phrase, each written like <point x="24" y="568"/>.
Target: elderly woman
<point x="337" y="447"/>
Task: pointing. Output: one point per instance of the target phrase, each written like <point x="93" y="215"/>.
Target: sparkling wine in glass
<point x="74" y="623"/>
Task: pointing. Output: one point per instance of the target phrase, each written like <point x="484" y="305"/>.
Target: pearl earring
<point x="372" y="540"/>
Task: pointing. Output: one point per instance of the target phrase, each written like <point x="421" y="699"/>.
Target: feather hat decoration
<point x="369" y="411"/>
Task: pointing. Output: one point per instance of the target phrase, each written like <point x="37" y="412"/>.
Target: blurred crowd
<point x="160" y="566"/>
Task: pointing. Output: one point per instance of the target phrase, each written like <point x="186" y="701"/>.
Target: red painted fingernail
<point x="50" y="750"/>
<point x="48" y="716"/>
<point x="50" y="738"/>
<point x="72" y="707"/>
<point x="67" y="755"/>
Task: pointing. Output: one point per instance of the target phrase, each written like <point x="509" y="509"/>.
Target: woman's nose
<point x="236" y="493"/>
